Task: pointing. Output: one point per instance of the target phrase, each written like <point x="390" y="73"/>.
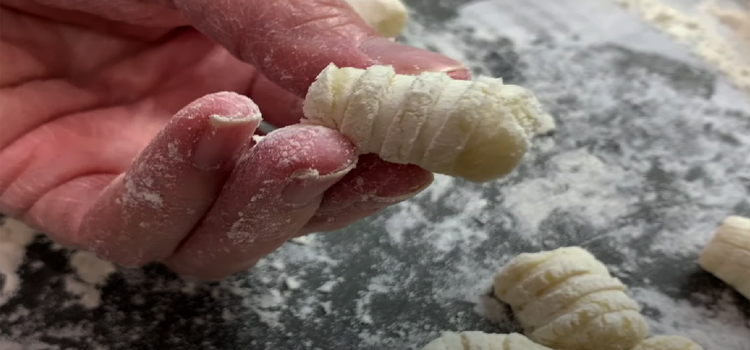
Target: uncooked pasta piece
<point x="482" y="341"/>
<point x="387" y="17"/>
<point x="727" y="255"/>
<point x="477" y="130"/>
<point x="668" y="342"/>
<point x="567" y="299"/>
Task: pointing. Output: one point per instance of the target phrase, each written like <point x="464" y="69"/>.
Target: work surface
<point x="651" y="153"/>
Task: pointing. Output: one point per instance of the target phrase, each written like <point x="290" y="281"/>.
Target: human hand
<point x="125" y="128"/>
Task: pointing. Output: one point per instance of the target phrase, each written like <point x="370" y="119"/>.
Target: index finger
<point x="291" y="41"/>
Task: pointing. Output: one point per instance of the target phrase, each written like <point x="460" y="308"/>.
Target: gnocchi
<point x="567" y="299"/>
<point x="482" y="341"/>
<point x="477" y="130"/>
<point x="727" y="255"/>
<point x="387" y="17"/>
<point x="665" y="342"/>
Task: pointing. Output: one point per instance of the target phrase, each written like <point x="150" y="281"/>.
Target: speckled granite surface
<point x="652" y="151"/>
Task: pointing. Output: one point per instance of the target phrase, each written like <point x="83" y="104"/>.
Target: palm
<point x="118" y="92"/>
<point x="97" y="99"/>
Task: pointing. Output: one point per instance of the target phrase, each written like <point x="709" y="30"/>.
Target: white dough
<point x="567" y="299"/>
<point x="482" y="341"/>
<point x="727" y="255"/>
<point x="387" y="17"/>
<point x="670" y="342"/>
<point x="478" y="130"/>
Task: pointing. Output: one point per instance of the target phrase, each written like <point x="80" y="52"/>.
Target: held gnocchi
<point x="567" y="299"/>
<point x="668" y="342"/>
<point x="478" y="130"/>
<point x="387" y="17"/>
<point x="482" y="341"/>
<point x="727" y="255"/>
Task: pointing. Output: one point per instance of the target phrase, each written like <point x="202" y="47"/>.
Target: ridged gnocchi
<point x="478" y="130"/>
<point x="727" y="255"/>
<point x="668" y="342"/>
<point x="482" y="341"/>
<point x="567" y="299"/>
<point x="387" y="17"/>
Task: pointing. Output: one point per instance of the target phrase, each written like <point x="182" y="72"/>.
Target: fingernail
<point x="410" y="60"/>
<point x="308" y="185"/>
<point x="222" y="138"/>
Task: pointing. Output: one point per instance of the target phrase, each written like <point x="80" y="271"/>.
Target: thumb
<point x="291" y="41"/>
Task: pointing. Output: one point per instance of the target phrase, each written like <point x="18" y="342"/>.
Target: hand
<point x="125" y="128"/>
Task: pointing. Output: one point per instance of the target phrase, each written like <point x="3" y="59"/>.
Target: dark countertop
<point x="651" y="153"/>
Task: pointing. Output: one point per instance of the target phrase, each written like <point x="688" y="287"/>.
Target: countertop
<point x="651" y="153"/>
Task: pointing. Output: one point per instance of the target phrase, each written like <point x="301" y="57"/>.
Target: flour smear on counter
<point x="717" y="31"/>
<point x="645" y="163"/>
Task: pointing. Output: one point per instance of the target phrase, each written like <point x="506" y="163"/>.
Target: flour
<point x="293" y="283"/>
<point x="14" y="237"/>
<point x="89" y="296"/>
<point x="91" y="273"/>
<point x="327" y="287"/>
<point x="577" y="180"/>
<point x="141" y="193"/>
<point x="91" y="269"/>
<point x="362" y="309"/>
<point x="409" y="218"/>
<point x="720" y="326"/>
<point x="729" y="52"/>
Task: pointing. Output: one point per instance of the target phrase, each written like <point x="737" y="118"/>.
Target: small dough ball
<point x="670" y="342"/>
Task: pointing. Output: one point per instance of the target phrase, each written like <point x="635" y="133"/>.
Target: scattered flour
<point x="140" y="193"/>
<point x="720" y="326"/>
<point x="409" y="218"/>
<point x="89" y="296"/>
<point x="91" y="269"/>
<point x="91" y="274"/>
<point x="579" y="182"/>
<point x="720" y="36"/>
<point x="14" y="237"/>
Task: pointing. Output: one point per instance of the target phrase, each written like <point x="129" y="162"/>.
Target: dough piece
<point x="668" y="343"/>
<point x="478" y="130"/>
<point x="567" y="299"/>
<point x="727" y="255"/>
<point x="387" y="17"/>
<point x="482" y="341"/>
